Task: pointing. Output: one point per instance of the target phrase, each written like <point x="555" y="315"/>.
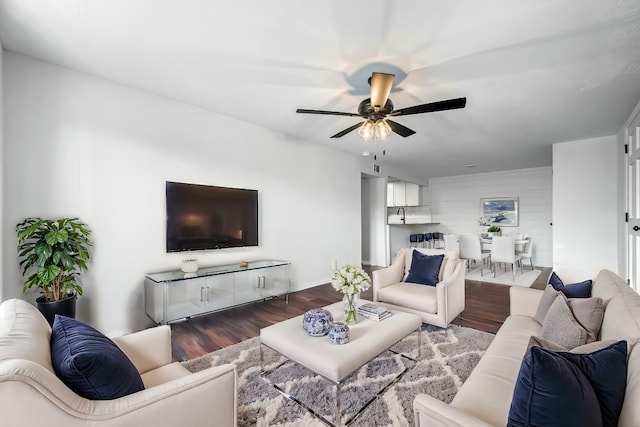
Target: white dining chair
<point x="471" y="250"/>
<point x="527" y="252"/>
<point x="451" y="243"/>
<point x="503" y="250"/>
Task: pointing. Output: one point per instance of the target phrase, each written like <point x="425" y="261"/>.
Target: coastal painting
<point x="500" y="211"/>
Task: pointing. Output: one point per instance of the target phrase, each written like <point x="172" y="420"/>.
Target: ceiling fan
<point x="379" y="106"/>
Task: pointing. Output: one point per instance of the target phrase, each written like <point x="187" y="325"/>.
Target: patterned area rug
<point x="448" y="357"/>
<point x="505" y="277"/>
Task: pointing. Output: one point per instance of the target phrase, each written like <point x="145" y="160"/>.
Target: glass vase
<point x="351" y="308"/>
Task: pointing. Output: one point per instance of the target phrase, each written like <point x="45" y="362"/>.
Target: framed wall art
<point x="500" y="211"/>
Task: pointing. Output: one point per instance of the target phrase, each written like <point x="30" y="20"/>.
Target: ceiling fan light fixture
<point x="378" y="128"/>
<point x="383" y="129"/>
<point x="367" y="130"/>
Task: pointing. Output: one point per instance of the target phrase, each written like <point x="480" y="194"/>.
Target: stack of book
<point x="373" y="312"/>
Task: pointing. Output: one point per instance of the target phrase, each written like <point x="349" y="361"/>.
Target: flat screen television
<point x="201" y="217"/>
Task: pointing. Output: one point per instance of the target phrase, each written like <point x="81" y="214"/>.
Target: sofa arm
<point x="429" y="411"/>
<point x="524" y="301"/>
<point x="147" y="349"/>
<point x="205" y="398"/>
<point x="387" y="276"/>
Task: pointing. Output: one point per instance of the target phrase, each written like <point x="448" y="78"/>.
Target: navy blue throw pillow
<point x="550" y="391"/>
<point x="89" y="363"/>
<point x="555" y="281"/>
<point x="575" y="290"/>
<point x="424" y="268"/>
<point x="570" y="389"/>
<point x="606" y="370"/>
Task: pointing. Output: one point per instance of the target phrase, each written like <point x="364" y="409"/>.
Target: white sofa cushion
<point x="488" y="391"/>
<point x="411" y="295"/>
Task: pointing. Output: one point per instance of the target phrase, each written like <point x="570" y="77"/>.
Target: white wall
<point x="585" y="208"/>
<point x="1" y="162"/>
<point x="455" y="204"/>
<point x="83" y="146"/>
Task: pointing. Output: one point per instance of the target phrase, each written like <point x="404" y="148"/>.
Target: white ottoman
<point x="336" y="362"/>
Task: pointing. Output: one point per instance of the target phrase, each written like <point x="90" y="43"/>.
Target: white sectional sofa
<point x="437" y="305"/>
<point x="485" y="398"/>
<point x="32" y="395"/>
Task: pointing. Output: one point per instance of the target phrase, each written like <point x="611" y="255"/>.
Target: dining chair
<point x="503" y="250"/>
<point x="451" y="243"/>
<point x="471" y="250"/>
<point x="527" y="252"/>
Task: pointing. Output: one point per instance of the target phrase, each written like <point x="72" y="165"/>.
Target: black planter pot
<point x="65" y="307"/>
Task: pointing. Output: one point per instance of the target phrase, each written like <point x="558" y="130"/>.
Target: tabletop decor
<point x="339" y="333"/>
<point x="316" y="322"/>
<point x="350" y="281"/>
<point x="494" y="230"/>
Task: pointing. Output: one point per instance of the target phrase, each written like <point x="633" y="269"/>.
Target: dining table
<point x="485" y="243"/>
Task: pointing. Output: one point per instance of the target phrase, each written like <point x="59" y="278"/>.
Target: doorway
<point x="633" y="202"/>
<point x="373" y="220"/>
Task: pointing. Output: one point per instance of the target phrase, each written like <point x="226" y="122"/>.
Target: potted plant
<point x="494" y="230"/>
<point x="53" y="253"/>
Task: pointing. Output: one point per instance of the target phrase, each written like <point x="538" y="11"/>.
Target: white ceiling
<point x="534" y="72"/>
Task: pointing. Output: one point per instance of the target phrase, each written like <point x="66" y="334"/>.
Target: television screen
<point x="203" y="217"/>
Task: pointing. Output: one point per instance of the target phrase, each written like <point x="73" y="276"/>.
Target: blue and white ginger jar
<point x="339" y="333"/>
<point x="316" y="322"/>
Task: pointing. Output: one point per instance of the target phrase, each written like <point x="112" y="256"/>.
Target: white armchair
<point x="32" y="395"/>
<point x="437" y="305"/>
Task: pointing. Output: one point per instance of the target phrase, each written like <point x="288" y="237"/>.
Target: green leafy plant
<point x="493" y="229"/>
<point x="54" y="251"/>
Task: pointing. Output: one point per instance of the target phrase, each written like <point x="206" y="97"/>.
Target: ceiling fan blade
<point x="400" y="129"/>
<point x="449" y="104"/>
<point x="381" y="84"/>
<point x="331" y="113"/>
<point x="347" y="130"/>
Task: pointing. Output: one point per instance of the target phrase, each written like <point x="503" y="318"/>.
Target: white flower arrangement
<point x="350" y="280"/>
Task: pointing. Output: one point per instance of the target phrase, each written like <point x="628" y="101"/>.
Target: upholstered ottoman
<point x="368" y="339"/>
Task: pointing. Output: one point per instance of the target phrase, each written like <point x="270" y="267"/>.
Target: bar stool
<point x="413" y="240"/>
<point x="420" y="240"/>
<point x="438" y="240"/>
<point x="428" y="240"/>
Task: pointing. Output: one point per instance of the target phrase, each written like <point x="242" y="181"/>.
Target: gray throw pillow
<point x="545" y="343"/>
<point x="581" y="349"/>
<point x="589" y="313"/>
<point x="561" y="327"/>
<point x="548" y="297"/>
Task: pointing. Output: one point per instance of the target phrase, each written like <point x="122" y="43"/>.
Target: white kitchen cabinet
<point x="412" y="194"/>
<point x="402" y="193"/>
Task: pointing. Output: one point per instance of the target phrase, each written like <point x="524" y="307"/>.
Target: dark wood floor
<point x="487" y="305"/>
